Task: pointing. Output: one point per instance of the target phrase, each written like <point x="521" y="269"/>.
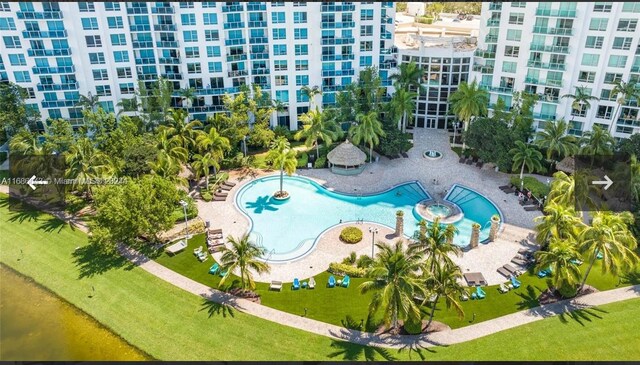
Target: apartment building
<point x="59" y="51"/>
<point x="550" y="48"/>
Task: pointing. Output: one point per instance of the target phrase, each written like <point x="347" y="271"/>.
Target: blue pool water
<point x="288" y="229"/>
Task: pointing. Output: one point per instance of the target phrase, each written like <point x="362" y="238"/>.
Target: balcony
<point x="338" y="25"/>
<point x="257" y="24"/>
<point x="392" y="50"/>
<point x="44" y="34"/>
<point x="49" y="52"/>
<point x="493" y="22"/>
<point x="331" y="73"/>
<point x="534" y="81"/>
<point x="256" y="7"/>
<point x="57" y="87"/>
<point x="53" y="70"/>
<point x="503" y="89"/>
<point x="547" y="66"/>
<point x="167" y="44"/>
<point x="491" y="38"/>
<point x="232" y="8"/>
<point x="235" y="42"/>
<point x="553" y="31"/>
<point x="236" y="57"/>
<point x="258" y="40"/>
<point x="544" y="116"/>
<point x="385" y="35"/>
<point x="334" y="8"/>
<point x="495" y="6"/>
<point x="260" y="71"/>
<point x="552" y="49"/>
<point x="171" y="76"/>
<point x="259" y="56"/>
<point x="327" y="88"/>
<point x="388" y="64"/>
<point x="337" y="41"/>
<point x="234" y="25"/>
<point x="556" y="13"/>
<point x="548" y="98"/>
<point x="140" y="27"/>
<point x="635" y="69"/>
<point x="162" y="10"/>
<point x="39" y="15"/>
<point x="237" y="73"/>
<point x="169" y="60"/>
<point x="483" y="69"/>
<point x="137" y="10"/>
<point x="58" y="103"/>
<point x="484" y="54"/>
<point x="142" y="44"/>
<point x="145" y="61"/>
<point x="164" y="27"/>
<point x="387" y="19"/>
<point x="206" y="109"/>
<point x="338" y="57"/>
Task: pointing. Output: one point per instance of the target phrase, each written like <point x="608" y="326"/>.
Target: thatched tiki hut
<point x="567" y="165"/>
<point x="346" y="159"/>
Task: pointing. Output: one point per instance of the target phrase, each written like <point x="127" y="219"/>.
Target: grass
<point x="537" y="188"/>
<point x="136" y="304"/>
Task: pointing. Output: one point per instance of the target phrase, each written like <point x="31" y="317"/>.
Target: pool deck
<point x="379" y="176"/>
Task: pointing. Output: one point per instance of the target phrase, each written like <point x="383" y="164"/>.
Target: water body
<point x="37" y="325"/>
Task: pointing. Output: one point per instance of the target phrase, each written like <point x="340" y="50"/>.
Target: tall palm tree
<point x="625" y="91"/>
<point x="403" y="103"/>
<point x="409" y="77"/>
<point x="187" y="96"/>
<point x="179" y="128"/>
<point x="609" y="235"/>
<point x="559" y="221"/>
<point x="203" y="163"/>
<point x="284" y="157"/>
<point x="572" y="190"/>
<point x="368" y="130"/>
<point x="395" y="281"/>
<point x="597" y="142"/>
<point x="171" y="147"/>
<point x="88" y="102"/>
<point x="581" y="100"/>
<point x="555" y="140"/>
<point x="527" y="156"/>
<point x="560" y="257"/>
<point x="444" y="282"/>
<point x="243" y="255"/>
<point x="128" y="105"/>
<point x="214" y="143"/>
<point x="311" y="93"/>
<point x="315" y="126"/>
<point x="85" y="162"/>
<point x="468" y="103"/>
<point x="437" y="245"/>
<point x="167" y="168"/>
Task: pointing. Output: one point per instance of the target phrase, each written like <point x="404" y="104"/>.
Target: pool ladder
<point x="269" y="256"/>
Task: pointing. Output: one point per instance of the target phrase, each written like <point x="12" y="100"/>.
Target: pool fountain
<point x="432" y="155"/>
<point x="447" y="212"/>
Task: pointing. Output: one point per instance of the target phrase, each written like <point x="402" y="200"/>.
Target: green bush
<point x="364" y="261"/>
<point x="282" y="131"/>
<point x="413" y="325"/>
<point x="343" y="269"/>
<point x="537" y="188"/>
<point x="303" y="159"/>
<point x="568" y="291"/>
<point x="424" y="20"/>
<point x="351" y="235"/>
<point x="320" y="163"/>
<point x="206" y="196"/>
<point x="351" y="259"/>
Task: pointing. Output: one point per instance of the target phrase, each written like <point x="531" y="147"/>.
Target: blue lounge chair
<point x="346" y="281"/>
<point x="296" y="284"/>
<point x="214" y="269"/>
<point x="545" y="272"/>
<point x="515" y="282"/>
<point x="480" y="293"/>
<point x="222" y="274"/>
<point x="332" y="282"/>
<point x="599" y="255"/>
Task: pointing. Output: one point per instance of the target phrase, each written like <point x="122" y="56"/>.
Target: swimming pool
<point x="288" y="229"/>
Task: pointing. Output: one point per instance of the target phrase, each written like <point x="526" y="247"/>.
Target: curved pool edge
<point x="502" y="219"/>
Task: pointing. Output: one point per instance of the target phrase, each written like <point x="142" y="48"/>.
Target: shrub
<point x="413" y="325"/>
<point x="282" y="131"/>
<point x="206" y="196"/>
<point x="303" y="159"/>
<point x="537" y="188"/>
<point x="364" y="261"/>
<point x="351" y="235"/>
<point x="568" y="291"/>
<point x="424" y="20"/>
<point x="351" y="259"/>
<point x="320" y="163"/>
<point x="344" y="269"/>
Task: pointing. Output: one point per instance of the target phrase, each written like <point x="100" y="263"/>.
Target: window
<point x="627" y="25"/>
<point x="100" y="75"/>
<point x="508" y="66"/>
<point x="278" y="17"/>
<point x="598" y="24"/>
<point x="516" y="18"/>
<point x="607" y="95"/>
<point x="366" y="14"/>
<point x="115" y="22"/>
<point x="280" y="65"/>
<point x="300" y="33"/>
<point x="514" y="34"/>
<point x="103" y="90"/>
<point x="512" y="51"/>
<point x="518" y="4"/>
<point x="279" y="49"/>
<point x="22" y="76"/>
<point x="12" y="42"/>
<point x="111" y="6"/>
<point x="191" y="52"/>
<point x="121" y="56"/>
<point x="589" y="59"/>
<point x="213" y="51"/>
<point x="279" y="33"/>
<point x="17" y="60"/>
<point x="366" y="46"/>
<point x="302" y="65"/>
<point x="118" y="40"/>
<point x="194" y="68"/>
<point x="215" y="66"/>
<point x="604" y="112"/>
<point x="282" y="96"/>
<point x="7" y="24"/>
<point x="97" y="58"/>
<point x="93" y="41"/>
<point x="277" y="4"/>
<point x="301" y="49"/>
<point x="86" y="7"/>
<point x="211" y="35"/>
<point x="186" y="5"/>
<point x="594" y="42"/>
<point x="623" y="43"/>
<point x="602" y="7"/>
<point x="89" y="23"/>
<point x="123" y="72"/>
<point x="299" y="17"/>
<point x="633" y="7"/>
<point x="210" y="18"/>
<point x="208" y="4"/>
<point x="366" y="61"/>
<point x="586" y="76"/>
<point x="617" y="61"/>
<point x="612" y="78"/>
<point x="302" y="80"/>
<point x="366" y="30"/>
<point x="188" y="19"/>
<point x="190" y="35"/>
<point x="282" y="80"/>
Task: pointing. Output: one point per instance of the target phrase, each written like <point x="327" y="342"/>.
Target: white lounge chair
<point x="275" y="285"/>
<point x="503" y="288"/>
<point x="176" y="247"/>
<point x="312" y="283"/>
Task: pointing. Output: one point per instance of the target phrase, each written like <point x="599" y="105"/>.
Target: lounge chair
<point x="312" y="283"/>
<point x="469" y="161"/>
<point x="502" y="271"/>
<point x="296" y="284"/>
<point x="405" y="155"/>
<point x="576" y="261"/>
<point x="503" y="288"/>
<point x="524" y="251"/>
<point x="504" y="187"/>
<point x="599" y="256"/>
<point x="464" y="297"/>
<point x="214" y="269"/>
<point x="222" y="273"/>
<point x="515" y="282"/>
<point x="176" y="247"/>
<point x="229" y="183"/>
<point x="219" y="198"/>
<point x="462" y="159"/>
<point x="203" y="256"/>
<point x="215" y="248"/>
<point x="332" y="282"/>
<point x="198" y="250"/>
<point x="519" y="261"/>
<point x="531" y="208"/>
<point x="509" y="191"/>
<point x="275" y="285"/>
<point x="225" y="187"/>
<point x="512" y="270"/>
<point x="219" y="194"/>
<point x="346" y="281"/>
<point x="544" y="272"/>
<point x="480" y="294"/>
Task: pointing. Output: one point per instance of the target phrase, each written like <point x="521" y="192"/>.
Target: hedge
<point x="343" y="270"/>
<point x="351" y="235"/>
<point x="320" y="163"/>
<point x="537" y="188"/>
<point x="303" y="159"/>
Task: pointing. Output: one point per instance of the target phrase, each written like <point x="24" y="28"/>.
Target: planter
<point x="495" y="224"/>
<point x="475" y="235"/>
<point x="281" y="195"/>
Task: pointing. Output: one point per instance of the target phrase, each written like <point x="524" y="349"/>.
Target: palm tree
<point x="213" y="142"/>
<point x="409" y="77"/>
<point x="444" y="282"/>
<point x="597" y="142"/>
<point x="245" y="256"/>
<point x="167" y="168"/>
<point x="368" y="130"/>
<point x="88" y="102"/>
<point x="527" y="156"/>
<point x="177" y="127"/>
<point x="128" y="105"/>
<point x="555" y="140"/>
<point x="581" y="100"/>
<point x="437" y="245"/>
<point x="403" y="103"/>
<point x="203" y="163"/>
<point x="561" y="258"/>
<point x="395" y="282"/>
<point x="572" y="190"/>
<point x="311" y="93"/>
<point x="187" y="96"/>
<point x="609" y="235"/>
<point x="468" y="103"/>
<point x="559" y="221"/>
<point x="316" y="126"/>
<point x="284" y="157"/>
<point x="171" y="147"/>
<point x="626" y="91"/>
<point x="85" y="162"/>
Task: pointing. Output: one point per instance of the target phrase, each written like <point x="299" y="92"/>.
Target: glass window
<point x="279" y="49"/>
<point x="600" y="7"/>
<point x="302" y="65"/>
<point x="599" y="24"/>
<point x="7" y="24"/>
<point x="89" y="23"/>
<point x="190" y="35"/>
<point x="118" y="40"/>
<point x="111" y="6"/>
<point x="115" y="22"/>
<point x="594" y="42"/>
<point x="97" y="58"/>
<point x="366" y="30"/>
<point x="11" y="42"/>
<point x="279" y="33"/>
<point x="123" y="72"/>
<point x="299" y="17"/>
<point x="282" y="96"/>
<point x="586" y="76"/>
<point x="213" y="51"/>
<point x="211" y="35"/>
<point x="366" y="61"/>
<point x="210" y="18"/>
<point x="516" y="18"/>
<point x="192" y="52"/>
<point x="300" y="33"/>
<point x="93" y="40"/>
<point x="512" y="51"/>
<point x="280" y="65"/>
<point x="366" y="46"/>
<point x="100" y="75"/>
<point x="194" y="68"/>
<point x="121" y="56"/>
<point x="514" y="34"/>
<point x="188" y="19"/>
<point x="17" y="60"/>
<point x="302" y="80"/>
<point x="215" y="66"/>
<point x="282" y="80"/>
<point x="627" y="25"/>
<point x="103" y="90"/>
<point x="612" y="78"/>
<point x="301" y="49"/>
<point x="186" y="5"/>
<point x="278" y="17"/>
<point x="366" y="14"/>
<point x="617" y="61"/>
<point x="508" y="66"/>
<point x="589" y="59"/>
<point x="85" y="7"/>
<point x="631" y="7"/>
<point x="623" y="43"/>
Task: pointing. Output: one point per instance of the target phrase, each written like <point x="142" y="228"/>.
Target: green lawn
<point x="171" y="324"/>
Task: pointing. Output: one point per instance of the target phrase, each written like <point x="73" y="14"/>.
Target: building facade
<point x="59" y="51"/>
<point x="551" y="48"/>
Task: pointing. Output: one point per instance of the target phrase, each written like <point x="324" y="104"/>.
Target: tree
<point x="168" y="168"/>
<point x="86" y="163"/>
<point x="214" y="143"/>
<point x="171" y="147"/>
<point x="555" y="140"/>
<point x="597" y="142"/>
<point x="574" y="190"/>
<point x="284" y="158"/>
<point x="368" y="130"/>
<point x="180" y="129"/>
<point x="88" y="102"/>
<point x="409" y="77"/>
<point x="137" y="158"/>
<point x="202" y="164"/>
<point x="403" y="103"/>
<point x="626" y="91"/>
<point x="526" y="156"/>
<point x="631" y="145"/>
<point x="310" y="92"/>
<point x="581" y="100"/>
<point x="316" y="126"/>
<point x="561" y="258"/>
<point x="395" y="281"/>
<point x="559" y="221"/>
<point x="187" y="96"/>
<point x="243" y="255"/>
<point x="468" y="103"/>
<point x="609" y="235"/>
<point x="261" y="135"/>
<point x="437" y="245"/>
<point x="59" y="135"/>
<point x="15" y="113"/>
<point x="162" y="92"/>
<point x="444" y="282"/>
